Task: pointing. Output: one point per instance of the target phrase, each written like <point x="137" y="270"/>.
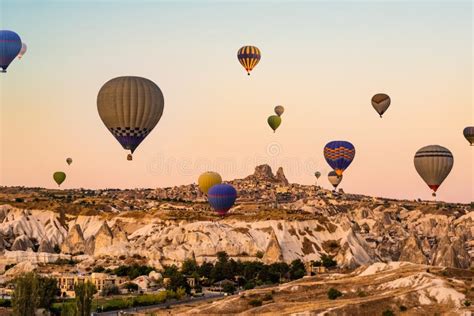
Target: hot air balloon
<point x="207" y="180"/>
<point x="334" y="179"/>
<point x="380" y="102"/>
<point x="59" y="177"/>
<point x="279" y="109"/>
<point x="22" y="50"/>
<point x="274" y="121"/>
<point x="10" y="46"/>
<point x="317" y="174"/>
<point x="222" y="197"/>
<point x="130" y="108"/>
<point x="469" y="134"/>
<point x="69" y="161"/>
<point x="339" y="155"/>
<point x="249" y="56"/>
<point x="433" y="163"/>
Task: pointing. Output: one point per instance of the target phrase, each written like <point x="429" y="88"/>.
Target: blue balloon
<point x="10" y="46"/>
<point x="339" y="155"/>
<point x="222" y="197"/>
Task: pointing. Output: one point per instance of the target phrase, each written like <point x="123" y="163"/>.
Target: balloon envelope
<point x="249" y="56"/>
<point x="274" y="121"/>
<point x="69" y="161"/>
<point x="59" y="177"/>
<point x="468" y="133"/>
<point x="22" y="50"/>
<point x="334" y="179"/>
<point x="207" y="180"/>
<point x="381" y="102"/>
<point x="339" y="155"/>
<point x="317" y="174"/>
<point x="279" y="109"/>
<point x="222" y="197"/>
<point x="10" y="46"/>
<point x="130" y="108"/>
<point x="433" y="163"/>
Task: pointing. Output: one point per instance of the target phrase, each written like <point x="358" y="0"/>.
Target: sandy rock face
<point x="280" y="176"/>
<point x="45" y="246"/>
<point x="273" y="252"/>
<point x="74" y="243"/>
<point x="411" y="251"/>
<point x="451" y="253"/>
<point x="22" y="243"/>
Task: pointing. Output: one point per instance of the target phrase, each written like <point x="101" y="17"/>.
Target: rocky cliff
<point x="354" y="229"/>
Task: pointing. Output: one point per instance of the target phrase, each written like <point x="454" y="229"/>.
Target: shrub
<point x="333" y="294"/>
<point x="467" y="303"/>
<point x="5" y="303"/>
<point x="255" y="302"/>
<point x="116" y="305"/>
<point x="57" y="249"/>
<point x="180" y="293"/>
<point x="328" y="262"/>
<point x="9" y="266"/>
<point x="388" y="312"/>
<point x="268" y="297"/>
<point x="403" y="308"/>
<point x="98" y="269"/>
<point x="249" y="285"/>
<point x="259" y="254"/>
<point x="361" y="294"/>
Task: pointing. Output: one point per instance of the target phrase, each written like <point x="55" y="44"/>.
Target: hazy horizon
<point x="322" y="60"/>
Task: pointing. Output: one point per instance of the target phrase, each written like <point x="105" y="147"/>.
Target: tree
<point x="177" y="279"/>
<point x="84" y="295"/>
<point x="33" y="291"/>
<point x="222" y="257"/>
<point x="68" y="309"/>
<point x="327" y="261"/>
<point x="189" y="267"/>
<point x="47" y="290"/>
<point x="297" y="269"/>
<point x="25" y="296"/>
<point x="131" y="287"/>
<point x="110" y="289"/>
<point x="228" y="287"/>
<point x="205" y="269"/>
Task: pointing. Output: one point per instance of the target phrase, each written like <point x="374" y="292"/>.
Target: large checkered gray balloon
<point x="130" y="108"/>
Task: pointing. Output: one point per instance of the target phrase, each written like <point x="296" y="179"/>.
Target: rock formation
<point x="280" y="176"/>
<point x="411" y="251"/>
<point x="263" y="173"/>
<point x="22" y="243"/>
<point x="45" y="246"/>
<point x="273" y="252"/>
<point x="74" y="243"/>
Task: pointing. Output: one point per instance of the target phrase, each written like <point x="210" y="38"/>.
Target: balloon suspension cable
<point x="380" y="115"/>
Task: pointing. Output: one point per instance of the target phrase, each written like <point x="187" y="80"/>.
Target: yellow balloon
<point x="207" y="180"/>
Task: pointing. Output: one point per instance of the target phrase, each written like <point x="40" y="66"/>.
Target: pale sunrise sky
<point x="322" y="60"/>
